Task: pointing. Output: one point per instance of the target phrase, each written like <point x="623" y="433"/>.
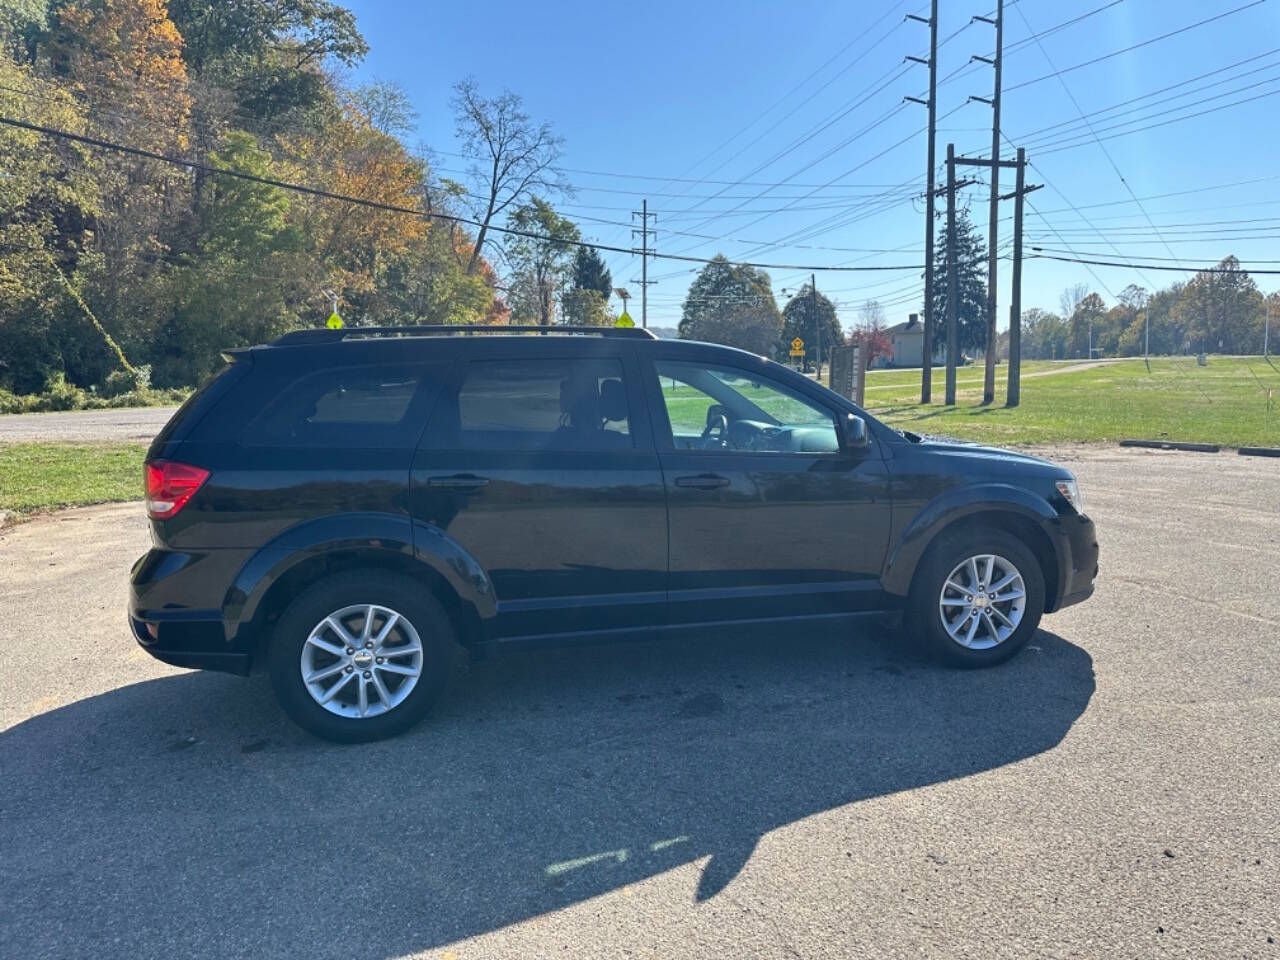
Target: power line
<point x="1146" y="266"/>
<point x="1033" y="135"/>
<point x="388" y="207"/>
<point x="1105" y="152"/>
<point x="1056" y="148"/>
<point x="1136" y="46"/>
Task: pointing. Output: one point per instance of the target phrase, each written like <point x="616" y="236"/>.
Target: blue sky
<point x="775" y="129"/>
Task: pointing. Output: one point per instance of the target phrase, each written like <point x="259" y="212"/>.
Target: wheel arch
<point x="283" y="569"/>
<point x="1019" y="513"/>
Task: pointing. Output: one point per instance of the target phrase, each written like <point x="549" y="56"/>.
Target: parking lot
<point x="1111" y="792"/>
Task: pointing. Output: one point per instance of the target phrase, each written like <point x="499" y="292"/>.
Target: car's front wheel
<point x="361" y="656"/>
<point x="977" y="598"/>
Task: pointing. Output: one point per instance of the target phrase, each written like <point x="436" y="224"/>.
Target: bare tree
<point x="1071" y="297"/>
<point x="872" y="315"/>
<point x="510" y="155"/>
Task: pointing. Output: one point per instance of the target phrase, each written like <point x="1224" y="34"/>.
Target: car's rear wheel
<point x="977" y="597"/>
<point x="361" y="656"/>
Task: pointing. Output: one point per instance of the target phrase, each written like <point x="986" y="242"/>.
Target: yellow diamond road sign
<point x="625" y="320"/>
<point x="797" y="347"/>
<point x="334" y="322"/>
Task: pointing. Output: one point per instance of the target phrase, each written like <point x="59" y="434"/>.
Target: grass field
<point x="39" y="476"/>
<point x="1224" y="402"/>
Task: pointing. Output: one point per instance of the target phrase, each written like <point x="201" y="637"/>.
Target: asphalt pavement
<point x="137" y="424"/>
<point x="1111" y="792"/>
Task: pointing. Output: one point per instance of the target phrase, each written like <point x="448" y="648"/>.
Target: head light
<point x="1070" y="491"/>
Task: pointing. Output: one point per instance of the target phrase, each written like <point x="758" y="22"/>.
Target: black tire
<point x="924" y="618"/>
<point x="405" y="596"/>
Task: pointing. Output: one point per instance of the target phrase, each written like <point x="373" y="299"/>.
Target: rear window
<point x="373" y="406"/>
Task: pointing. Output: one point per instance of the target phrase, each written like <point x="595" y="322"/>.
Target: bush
<point x="64" y="396"/>
<point x="121" y="382"/>
<point x="13" y="402"/>
<point x="60" y="395"/>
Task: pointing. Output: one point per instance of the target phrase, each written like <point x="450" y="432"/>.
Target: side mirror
<point x="854" y="433"/>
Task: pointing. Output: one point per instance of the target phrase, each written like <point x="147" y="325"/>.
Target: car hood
<point x="981" y="453"/>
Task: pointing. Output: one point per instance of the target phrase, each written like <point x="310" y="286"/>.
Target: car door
<point x="539" y="462"/>
<point x="767" y="515"/>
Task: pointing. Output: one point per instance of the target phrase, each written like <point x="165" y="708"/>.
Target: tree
<point x="799" y="320"/>
<point x="751" y="325"/>
<point x="1223" y="311"/>
<point x="49" y="200"/>
<point x="1070" y="298"/>
<point x="233" y="36"/>
<point x="1044" y="335"/>
<point x="971" y="308"/>
<point x="586" y="308"/>
<point x="732" y="304"/>
<point x="539" y="260"/>
<point x="511" y="156"/>
<point x="1084" y="321"/>
<point x="870" y="335"/>
<point x="352" y="246"/>
<point x="590" y="272"/>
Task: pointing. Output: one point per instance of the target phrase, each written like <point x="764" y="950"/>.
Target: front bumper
<point x="1078" y="561"/>
<point x="175" y="609"/>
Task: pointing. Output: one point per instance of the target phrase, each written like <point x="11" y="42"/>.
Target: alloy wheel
<point x="982" y="601"/>
<point x="361" y="661"/>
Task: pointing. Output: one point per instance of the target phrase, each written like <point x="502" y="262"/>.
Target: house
<point x="908" y="344"/>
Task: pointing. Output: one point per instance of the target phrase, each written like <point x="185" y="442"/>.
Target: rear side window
<point x="544" y="404"/>
<point x="196" y="405"/>
<point x="373" y="406"/>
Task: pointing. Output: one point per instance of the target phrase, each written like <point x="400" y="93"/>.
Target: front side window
<point x="544" y="404"/>
<point x="721" y="408"/>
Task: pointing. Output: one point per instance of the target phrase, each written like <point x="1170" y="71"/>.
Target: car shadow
<point x="185" y="816"/>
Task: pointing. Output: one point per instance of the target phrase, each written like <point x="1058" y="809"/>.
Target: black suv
<point x="349" y="506"/>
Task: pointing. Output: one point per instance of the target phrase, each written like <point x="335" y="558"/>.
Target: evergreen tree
<point x="798" y="321"/>
<point x="590" y="273"/>
<point x="971" y="310"/>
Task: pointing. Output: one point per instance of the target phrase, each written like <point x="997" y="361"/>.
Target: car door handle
<point x="703" y="481"/>
<point x="458" y="481"/>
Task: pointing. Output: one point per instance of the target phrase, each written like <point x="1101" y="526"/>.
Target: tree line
<point x="119" y="272"/>
<point x="1220" y="310"/>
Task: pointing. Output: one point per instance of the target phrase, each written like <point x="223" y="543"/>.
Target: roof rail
<point x="326" y="335"/>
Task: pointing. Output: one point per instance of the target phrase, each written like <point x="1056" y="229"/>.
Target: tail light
<point x="170" y="485"/>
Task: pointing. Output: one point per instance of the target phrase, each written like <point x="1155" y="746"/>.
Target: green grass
<point x="44" y="476"/>
<point x="1224" y="402"/>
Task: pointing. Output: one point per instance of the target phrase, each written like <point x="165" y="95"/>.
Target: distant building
<point x="908" y="345"/>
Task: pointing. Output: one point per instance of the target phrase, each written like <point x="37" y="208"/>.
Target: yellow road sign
<point x="624" y="320"/>
<point x="334" y="322"/>
<point x="797" y="345"/>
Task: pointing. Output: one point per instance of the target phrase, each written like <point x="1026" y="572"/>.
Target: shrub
<point x="120" y="382"/>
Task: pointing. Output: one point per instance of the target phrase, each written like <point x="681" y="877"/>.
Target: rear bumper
<point x="186" y="643"/>
<point x="175" y="609"/>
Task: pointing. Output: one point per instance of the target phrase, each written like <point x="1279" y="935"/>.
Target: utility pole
<point x="1266" y="334"/>
<point x="1015" y="311"/>
<point x="644" y="230"/>
<point x="1014" y="391"/>
<point x="953" y="281"/>
<point x="926" y="359"/>
<point x="989" y="380"/>
<point x="817" y="323"/>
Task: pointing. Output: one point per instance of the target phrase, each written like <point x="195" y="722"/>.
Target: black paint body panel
<point x="539" y="545"/>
